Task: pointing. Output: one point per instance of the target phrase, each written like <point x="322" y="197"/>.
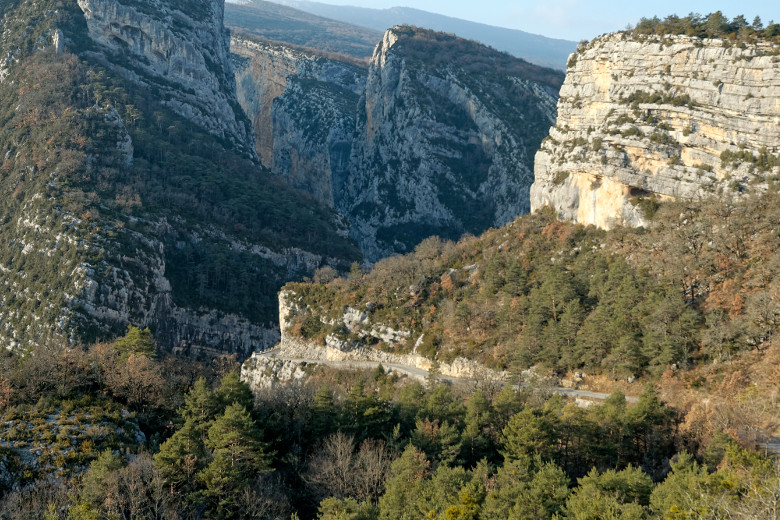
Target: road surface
<point x="419" y="373"/>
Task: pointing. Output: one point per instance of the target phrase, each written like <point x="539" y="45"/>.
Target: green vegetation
<point x="648" y="205"/>
<point x="78" y="207"/>
<point x="713" y="25"/>
<point x="357" y="445"/>
<point x="764" y="161"/>
<point x="441" y="49"/>
<point x="544" y="293"/>
<point x="670" y="97"/>
<point x="665" y="139"/>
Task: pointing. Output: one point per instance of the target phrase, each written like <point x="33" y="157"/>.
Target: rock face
<point x="132" y="187"/>
<point x="261" y="372"/>
<point x="674" y="117"/>
<point x="435" y="137"/>
<point x="302" y="107"/>
<point x="354" y="332"/>
<point x="182" y="49"/>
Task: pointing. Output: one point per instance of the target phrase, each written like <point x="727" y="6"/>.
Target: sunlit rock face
<point x="674" y="117"/>
<point x="180" y="49"/>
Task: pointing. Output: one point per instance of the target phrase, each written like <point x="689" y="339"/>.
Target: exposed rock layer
<point x="436" y="137"/>
<point x="654" y="117"/>
<point x="183" y="50"/>
<point x="356" y="332"/>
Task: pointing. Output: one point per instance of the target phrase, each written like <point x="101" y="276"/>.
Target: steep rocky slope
<point x="446" y="134"/>
<point x="131" y="191"/>
<point x="302" y="107"/>
<point x="436" y="137"/>
<point x="673" y="116"/>
<point x="181" y="50"/>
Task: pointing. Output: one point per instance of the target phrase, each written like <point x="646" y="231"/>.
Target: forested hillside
<point x="122" y="434"/>
<point x="700" y="285"/>
<point x="119" y="209"/>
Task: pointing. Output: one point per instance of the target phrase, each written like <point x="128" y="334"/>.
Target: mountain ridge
<point x="538" y="49"/>
<point x="126" y="205"/>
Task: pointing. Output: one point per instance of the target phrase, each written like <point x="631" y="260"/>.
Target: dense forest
<point x="700" y="285"/>
<point x="113" y="431"/>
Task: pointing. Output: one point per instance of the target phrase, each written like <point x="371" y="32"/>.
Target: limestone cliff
<point x="446" y="133"/>
<point x="435" y="137"/>
<point x="356" y="337"/>
<point x="679" y="117"/>
<point x="181" y="50"/>
<point x="131" y="186"/>
<point x="302" y="107"/>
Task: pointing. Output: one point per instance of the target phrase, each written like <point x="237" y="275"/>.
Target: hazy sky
<point x="574" y="19"/>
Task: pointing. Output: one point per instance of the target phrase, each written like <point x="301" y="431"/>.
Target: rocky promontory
<point x="659" y="116"/>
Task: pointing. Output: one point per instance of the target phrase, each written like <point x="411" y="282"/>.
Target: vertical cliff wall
<point x="436" y="137"/>
<point x="670" y="117"/>
<point x="179" y="49"/>
<point x="447" y="130"/>
<point x="302" y="107"/>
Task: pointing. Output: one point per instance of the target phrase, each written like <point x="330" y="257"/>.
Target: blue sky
<point x="574" y="19"/>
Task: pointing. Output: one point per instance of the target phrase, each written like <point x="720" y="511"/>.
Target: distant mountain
<point x="537" y="49"/>
<point x="285" y="24"/>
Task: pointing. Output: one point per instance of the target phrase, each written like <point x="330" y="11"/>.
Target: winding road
<point x="421" y="374"/>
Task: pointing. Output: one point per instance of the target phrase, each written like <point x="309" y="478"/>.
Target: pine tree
<point x="404" y="486"/>
<point x="233" y="390"/>
<point x="181" y="457"/>
<point x="200" y="407"/>
<point x="529" y="433"/>
<point x="477" y="437"/>
<point x="323" y="414"/>
<point x="238" y="454"/>
<point x="136" y="341"/>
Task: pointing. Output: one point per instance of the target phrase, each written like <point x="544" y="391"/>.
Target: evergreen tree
<point x="404" y="486"/>
<point x="441" y="442"/>
<point x="238" y="454"/>
<point x="181" y="457"/>
<point x="346" y="509"/>
<point x="200" y="407"/>
<point x="233" y="390"/>
<point x="681" y="492"/>
<point x="323" y="414"/>
<point x="441" y="493"/>
<point x="136" y="341"/>
<point x="610" y="495"/>
<point x="529" y="433"/>
<point x="477" y="437"/>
